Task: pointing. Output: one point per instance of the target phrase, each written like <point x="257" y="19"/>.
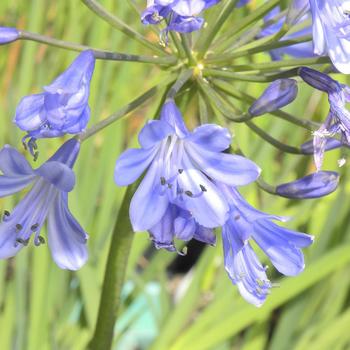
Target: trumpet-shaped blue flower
<point x="338" y="119"/>
<point x="180" y="14"/>
<point x="331" y="31"/>
<point x="281" y="245"/>
<point x="181" y="166"/>
<point x="46" y="200"/>
<point x="62" y="107"/>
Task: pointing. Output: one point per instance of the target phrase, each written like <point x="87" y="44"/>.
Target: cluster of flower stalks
<point x="189" y="180"/>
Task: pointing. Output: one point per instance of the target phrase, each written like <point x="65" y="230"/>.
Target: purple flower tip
<point x="277" y="95"/>
<point x="315" y="185"/>
<point x="8" y="35"/>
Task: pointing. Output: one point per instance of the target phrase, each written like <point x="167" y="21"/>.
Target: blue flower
<point x="281" y="245"/>
<point x="62" y="107"/>
<point x="338" y="119"/>
<point x="180" y="14"/>
<point x="8" y="35"/>
<point x="47" y="199"/>
<point x="331" y="30"/>
<point x="181" y="167"/>
<point x="277" y="95"/>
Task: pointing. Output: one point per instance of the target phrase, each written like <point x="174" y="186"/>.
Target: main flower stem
<point x="113" y="282"/>
<point x="125" y="110"/>
<point x="120" y="25"/>
<point x="99" y="54"/>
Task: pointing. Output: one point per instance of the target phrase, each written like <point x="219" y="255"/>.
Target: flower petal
<point x="148" y="205"/>
<point x="153" y="132"/>
<point x="66" y="238"/>
<point x="227" y="168"/>
<point x="8" y="246"/>
<point x="131" y="164"/>
<point x="201" y="197"/>
<point x="13" y="184"/>
<point x="13" y="163"/>
<point x="29" y="113"/>
<point x="211" y="137"/>
<point x="58" y="174"/>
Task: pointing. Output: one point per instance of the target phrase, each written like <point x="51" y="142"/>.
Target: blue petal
<point x="185" y="24"/>
<point x="30" y="114"/>
<point x="188" y="7"/>
<point x="163" y="232"/>
<point x="66" y="238"/>
<point x="154" y="132"/>
<point x="205" y="235"/>
<point x="8" y="246"/>
<point x="7" y="35"/>
<point x="13" y="163"/>
<point x="12" y="184"/>
<point x="79" y="123"/>
<point x="172" y="115"/>
<point x="208" y="207"/>
<point x="211" y="137"/>
<point x="67" y="153"/>
<point x="281" y="246"/>
<point x="131" y="164"/>
<point x="57" y="174"/>
<point x="184" y="228"/>
<point x="148" y="205"/>
<point x="244" y="269"/>
<point x="78" y="73"/>
<point x="227" y="168"/>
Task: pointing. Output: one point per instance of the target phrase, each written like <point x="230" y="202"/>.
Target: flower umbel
<point x="63" y="106"/>
<point x="46" y="200"/>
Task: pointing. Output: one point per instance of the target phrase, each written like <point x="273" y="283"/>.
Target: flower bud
<point x="318" y="80"/>
<point x="278" y="94"/>
<point x="7" y="35"/>
<point x="315" y="185"/>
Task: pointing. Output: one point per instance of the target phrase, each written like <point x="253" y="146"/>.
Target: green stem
<point x="188" y="50"/>
<point x="115" y="22"/>
<point x="114" y="277"/>
<point x="124" y="111"/>
<point x="180" y="82"/>
<point x="251" y="18"/>
<point x="277" y="144"/>
<point x="99" y="54"/>
<point x="213" y="30"/>
<point x="261" y="45"/>
<point x="249" y="77"/>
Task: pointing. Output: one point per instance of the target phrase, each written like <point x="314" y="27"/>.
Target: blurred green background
<point x="43" y="307"/>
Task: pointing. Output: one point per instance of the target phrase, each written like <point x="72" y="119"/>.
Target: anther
<point x="180" y="171"/>
<point x="39" y="240"/>
<point x="22" y="241"/>
<point x="237" y="217"/>
<point x="18" y="227"/>
<point x="162" y="181"/>
<point x="203" y="188"/>
<point x="189" y="193"/>
<point x="34" y="227"/>
<point x="36" y="155"/>
<point x="6" y="215"/>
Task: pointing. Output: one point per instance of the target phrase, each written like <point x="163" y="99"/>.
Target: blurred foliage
<point x="43" y="307"/>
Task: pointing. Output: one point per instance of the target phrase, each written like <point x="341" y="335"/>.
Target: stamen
<point x="180" y="171"/>
<point x="18" y="227"/>
<point x="162" y="181"/>
<point x="6" y="215"/>
<point x="39" y="240"/>
<point x="34" y="227"/>
<point x="189" y="194"/>
<point x="22" y="241"/>
<point x="237" y="217"/>
<point x="203" y="188"/>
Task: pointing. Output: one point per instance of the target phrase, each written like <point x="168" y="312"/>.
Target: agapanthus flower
<point x="281" y="245"/>
<point x="331" y="31"/>
<point x="181" y="15"/>
<point x="338" y="119"/>
<point x="63" y="106"/>
<point x="46" y="200"/>
<point x="298" y="50"/>
<point x="278" y="94"/>
<point x="181" y="167"/>
<point x="8" y="35"/>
